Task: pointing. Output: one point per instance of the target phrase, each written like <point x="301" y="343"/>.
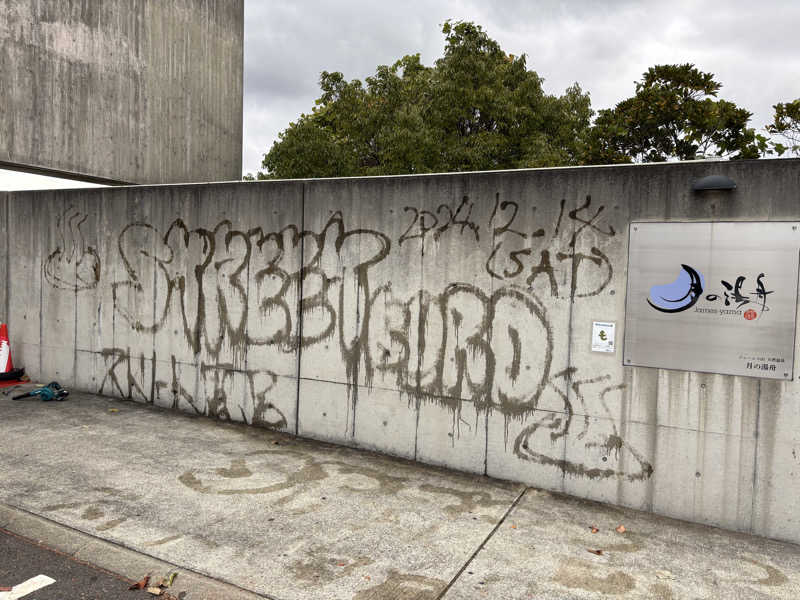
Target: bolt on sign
<point x="713" y="297"/>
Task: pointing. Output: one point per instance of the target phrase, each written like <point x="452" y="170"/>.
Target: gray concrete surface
<point x="289" y="518"/>
<point x="546" y="549"/>
<point x="138" y="91"/>
<point x="444" y="319"/>
<point x="4" y="246"/>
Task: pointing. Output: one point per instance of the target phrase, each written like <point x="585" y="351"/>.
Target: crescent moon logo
<point x="679" y="295"/>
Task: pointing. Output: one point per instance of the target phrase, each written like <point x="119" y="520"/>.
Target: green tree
<point x="674" y="114"/>
<point x="786" y="124"/>
<point x="477" y="108"/>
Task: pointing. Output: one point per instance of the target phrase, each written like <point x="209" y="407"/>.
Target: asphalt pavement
<point x="23" y="560"/>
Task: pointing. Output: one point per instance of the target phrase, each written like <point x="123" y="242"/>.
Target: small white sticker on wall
<point x="603" y="336"/>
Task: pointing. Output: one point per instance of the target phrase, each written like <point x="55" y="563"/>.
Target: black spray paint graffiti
<point x="73" y="265"/>
<point x="457" y="322"/>
<point x="218" y="281"/>
<point x="205" y="389"/>
<point x="462" y="344"/>
<point x="534" y="443"/>
<point x="218" y="297"/>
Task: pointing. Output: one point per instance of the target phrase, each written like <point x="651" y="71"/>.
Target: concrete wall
<point x="4" y="260"/>
<point x="443" y="318"/>
<point x="142" y="91"/>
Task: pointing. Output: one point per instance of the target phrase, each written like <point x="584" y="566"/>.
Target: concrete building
<point x="138" y="91"/>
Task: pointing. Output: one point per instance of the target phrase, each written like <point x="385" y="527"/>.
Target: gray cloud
<point x="752" y="47"/>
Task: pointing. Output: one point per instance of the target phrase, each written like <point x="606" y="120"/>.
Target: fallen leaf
<point x="113" y="410"/>
<point x="156" y="591"/>
<point x="664" y="575"/>
<point x="367" y="577"/>
<point x="513" y="527"/>
<point x="598" y="552"/>
<point x="170" y="578"/>
<point x="594" y="529"/>
<point x="140" y="585"/>
<point x="342" y="565"/>
<point x="5" y="589"/>
<point x="621" y="529"/>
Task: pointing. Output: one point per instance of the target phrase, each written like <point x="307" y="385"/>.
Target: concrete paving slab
<point x="276" y="515"/>
<point x="545" y="549"/>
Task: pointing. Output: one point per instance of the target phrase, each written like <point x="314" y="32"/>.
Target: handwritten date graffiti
<point x="507" y="263"/>
<point x="438" y="222"/>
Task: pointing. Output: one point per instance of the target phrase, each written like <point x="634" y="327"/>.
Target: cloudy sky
<point x="751" y="46"/>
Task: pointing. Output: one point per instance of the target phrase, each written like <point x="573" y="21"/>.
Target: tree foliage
<point x="674" y="114"/>
<point x="786" y="125"/>
<point x="477" y="108"/>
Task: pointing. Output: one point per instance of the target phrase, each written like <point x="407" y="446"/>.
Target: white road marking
<point x="27" y="587"/>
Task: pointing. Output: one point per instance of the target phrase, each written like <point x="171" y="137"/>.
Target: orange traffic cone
<point x="6" y="365"/>
<point x="8" y="374"/>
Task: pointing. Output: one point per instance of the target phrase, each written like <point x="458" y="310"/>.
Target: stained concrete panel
<point x="137" y="91"/>
<point x="614" y="454"/>
<point x="709" y="477"/>
<point x="777" y="476"/>
<point x="5" y="259"/>
<point x="25" y="292"/>
<point x="451" y="228"/>
<point x="532" y="231"/>
<point x="386" y="422"/>
<point x="325" y="412"/>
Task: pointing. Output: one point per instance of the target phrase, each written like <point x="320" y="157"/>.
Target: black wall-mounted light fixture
<point x="713" y="182"/>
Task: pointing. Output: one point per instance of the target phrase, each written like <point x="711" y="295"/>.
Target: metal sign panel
<point x="713" y="297"/>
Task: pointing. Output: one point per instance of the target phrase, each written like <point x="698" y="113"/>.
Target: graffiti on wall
<point x="219" y="296"/>
<point x="73" y="264"/>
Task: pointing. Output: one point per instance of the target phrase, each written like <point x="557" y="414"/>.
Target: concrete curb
<point x="115" y="558"/>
